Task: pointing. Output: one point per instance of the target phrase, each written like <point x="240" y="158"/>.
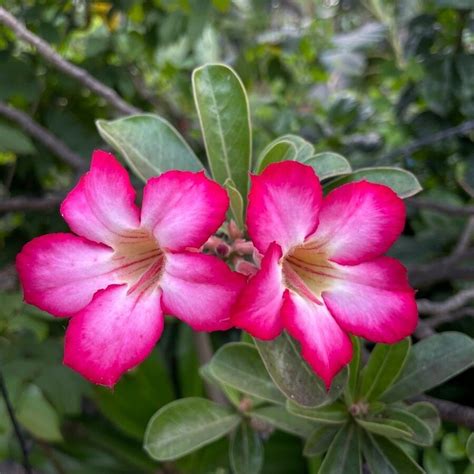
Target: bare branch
<point x="445" y="208"/>
<point x="81" y="75"/>
<point x="24" y="203"/>
<point x="426" y="327"/>
<point x="451" y="304"/>
<point x="450" y="411"/>
<point x="43" y="135"/>
<point x="464" y="239"/>
<point x="430" y="140"/>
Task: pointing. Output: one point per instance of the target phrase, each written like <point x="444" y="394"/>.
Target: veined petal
<point x="374" y="300"/>
<point x="258" y="307"/>
<point x="183" y="209"/>
<point x="200" y="290"/>
<point x="284" y="202"/>
<point x="61" y="272"/>
<point x="114" y="333"/>
<point x="324" y="345"/>
<point x="102" y="205"/>
<point x="358" y="222"/>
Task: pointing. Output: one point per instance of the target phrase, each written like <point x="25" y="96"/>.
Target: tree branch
<point x="24" y="203"/>
<point x="445" y="208"/>
<point x="430" y="140"/>
<point x="450" y="411"/>
<point x="43" y="135"/>
<point x="81" y="75"/>
<point x="451" y="304"/>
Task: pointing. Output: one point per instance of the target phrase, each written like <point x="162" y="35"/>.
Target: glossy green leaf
<point x="246" y="451"/>
<point x="239" y="365"/>
<point x="343" y="456"/>
<point x="428" y="414"/>
<point x="435" y="463"/>
<point x="149" y="144"/>
<point x="421" y="432"/>
<point x="386" y="427"/>
<point x="334" y="414"/>
<point x="292" y="375"/>
<point x="279" y="418"/>
<point x="37" y="415"/>
<point x="404" y="183"/>
<point x="223" y="110"/>
<point x="320" y="440"/>
<point x="236" y="203"/>
<point x="232" y="394"/>
<point x="395" y="457"/>
<point x="352" y="387"/>
<point x="328" y="164"/>
<point x="470" y="448"/>
<point x="304" y="149"/>
<point x="431" y="362"/>
<point x="383" y="368"/>
<point x="276" y="151"/>
<point x="452" y="447"/>
<point x="186" y="425"/>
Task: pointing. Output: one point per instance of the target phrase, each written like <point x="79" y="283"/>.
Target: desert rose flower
<point x="323" y="273"/>
<point x="125" y="268"/>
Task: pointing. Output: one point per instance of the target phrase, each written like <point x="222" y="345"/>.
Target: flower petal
<point x="258" y="307"/>
<point x="114" y="333"/>
<point x="200" y="290"/>
<point x="61" y="272"/>
<point x="283" y="205"/>
<point x="324" y="345"/>
<point x="183" y="209"/>
<point x="374" y="300"/>
<point x="101" y="207"/>
<point x="359" y="221"/>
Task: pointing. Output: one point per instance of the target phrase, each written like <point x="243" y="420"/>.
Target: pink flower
<point x="323" y="273"/>
<point x="125" y="268"/>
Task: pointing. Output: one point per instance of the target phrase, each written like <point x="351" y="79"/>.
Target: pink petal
<point x="374" y="300"/>
<point x="183" y="209"/>
<point x="61" y="272"/>
<point x="359" y="221"/>
<point x="283" y="205"/>
<point x="101" y="207"/>
<point x="258" y="307"/>
<point x="200" y="290"/>
<point x="114" y="333"/>
<point x="324" y="345"/>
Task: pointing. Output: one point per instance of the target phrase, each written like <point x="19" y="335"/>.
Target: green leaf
<point x="404" y="183"/>
<point x="431" y="362"/>
<point x="231" y="393"/>
<point x="293" y="376"/>
<point x="37" y="415"/>
<point x="452" y="447"/>
<point x="304" y="149"/>
<point x="343" y="456"/>
<point x="186" y="425"/>
<point x="236" y="203"/>
<point x="386" y="427"/>
<point x="14" y="140"/>
<point x="334" y="414"/>
<point x="352" y="387"/>
<point x="435" y="463"/>
<point x="421" y="432"/>
<point x="470" y="448"/>
<point x="395" y="457"/>
<point x="239" y="365"/>
<point x="383" y="368"/>
<point x="190" y="381"/>
<point x="276" y="151"/>
<point x="281" y="419"/>
<point x="320" y="440"/>
<point x="149" y="144"/>
<point x="223" y="110"/>
<point x="328" y="164"/>
<point x="246" y="451"/>
<point x="428" y="414"/>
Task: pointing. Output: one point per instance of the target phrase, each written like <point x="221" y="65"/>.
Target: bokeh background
<point x="380" y="82"/>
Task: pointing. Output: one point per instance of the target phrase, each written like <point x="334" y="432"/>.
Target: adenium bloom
<point x="323" y="273"/>
<point x="125" y="268"/>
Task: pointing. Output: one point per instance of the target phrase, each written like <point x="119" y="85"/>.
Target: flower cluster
<point x="322" y="276"/>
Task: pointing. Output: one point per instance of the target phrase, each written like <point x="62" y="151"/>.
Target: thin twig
<point x="450" y="411"/>
<point x="16" y="427"/>
<point x="451" y="304"/>
<point x="430" y="140"/>
<point x="464" y="239"/>
<point x="426" y="327"/>
<point x="24" y="203"/>
<point x="444" y="208"/>
<point x="81" y="75"/>
<point x="50" y="141"/>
